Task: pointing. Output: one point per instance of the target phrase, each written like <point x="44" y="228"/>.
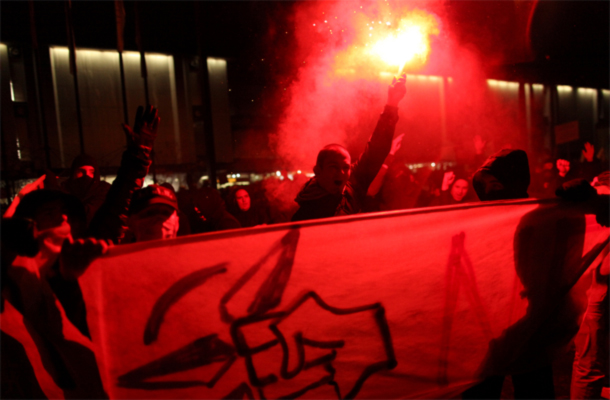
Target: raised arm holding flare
<point x="339" y="187"/>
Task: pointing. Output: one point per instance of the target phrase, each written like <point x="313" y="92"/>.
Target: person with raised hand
<point x="339" y="187"/>
<point x="110" y="221"/>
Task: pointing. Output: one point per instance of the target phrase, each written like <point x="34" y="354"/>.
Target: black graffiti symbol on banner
<point x="211" y="349"/>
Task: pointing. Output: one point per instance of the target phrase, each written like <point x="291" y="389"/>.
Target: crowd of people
<point x="60" y="227"/>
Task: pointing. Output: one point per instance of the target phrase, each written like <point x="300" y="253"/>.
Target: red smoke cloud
<point x="329" y="107"/>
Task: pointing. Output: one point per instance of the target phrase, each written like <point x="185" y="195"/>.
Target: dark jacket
<point x="206" y="211"/>
<point x="351" y="201"/>
<point x="109" y="221"/>
<point x="504" y="176"/>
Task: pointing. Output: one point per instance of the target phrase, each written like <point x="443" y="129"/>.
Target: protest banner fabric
<point x="418" y="303"/>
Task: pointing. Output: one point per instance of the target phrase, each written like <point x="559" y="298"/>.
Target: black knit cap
<point x="152" y="194"/>
<point x="72" y="206"/>
<point x="505" y="175"/>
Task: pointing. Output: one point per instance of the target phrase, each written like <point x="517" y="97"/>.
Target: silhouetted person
<point x="504" y="176"/>
<point x="206" y="210"/>
<point x="548" y="253"/>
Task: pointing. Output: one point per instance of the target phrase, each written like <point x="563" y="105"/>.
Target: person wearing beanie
<point x="85" y="184"/>
<point x="153" y="214"/>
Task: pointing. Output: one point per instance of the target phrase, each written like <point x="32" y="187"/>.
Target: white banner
<point x="417" y="303"/>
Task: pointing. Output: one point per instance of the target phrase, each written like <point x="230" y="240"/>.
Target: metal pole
<point x="144" y="73"/>
<point x="123" y="89"/>
<point x="73" y="71"/>
<point x="208" y="126"/>
<point x="42" y="124"/>
<point x="119" y="14"/>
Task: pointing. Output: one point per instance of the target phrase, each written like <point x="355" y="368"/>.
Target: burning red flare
<point x="393" y="43"/>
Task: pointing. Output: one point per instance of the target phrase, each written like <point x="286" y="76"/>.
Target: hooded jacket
<point x="504" y="176"/>
<point x="90" y="191"/>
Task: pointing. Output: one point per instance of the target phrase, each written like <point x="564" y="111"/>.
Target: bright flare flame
<point x="389" y="45"/>
<point x="398" y="50"/>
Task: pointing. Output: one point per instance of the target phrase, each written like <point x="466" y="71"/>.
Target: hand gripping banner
<point x="418" y="303"/>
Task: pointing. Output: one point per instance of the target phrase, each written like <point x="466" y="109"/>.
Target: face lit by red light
<point x="563" y="166"/>
<point x="243" y="199"/>
<point x="332" y="176"/>
<point x="157" y="221"/>
<point x="459" y="189"/>
<point x="85" y="170"/>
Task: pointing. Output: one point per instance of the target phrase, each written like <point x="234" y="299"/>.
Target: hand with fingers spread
<point x="77" y="255"/>
<point x="396" y="143"/>
<point x="589" y="152"/>
<point x="144" y="130"/>
<point x="448" y="179"/>
<point x="397" y="90"/>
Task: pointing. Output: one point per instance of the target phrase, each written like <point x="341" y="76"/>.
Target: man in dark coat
<point x="339" y="188"/>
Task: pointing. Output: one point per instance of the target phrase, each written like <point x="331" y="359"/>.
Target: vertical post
<point x="119" y="12"/>
<point x="443" y="110"/>
<point x="140" y="43"/>
<point x="74" y="72"/>
<point x="123" y="88"/>
<point x="144" y="73"/>
<point x="42" y="124"/>
<point x="528" y="94"/>
<point x="553" y="117"/>
<point x="208" y="126"/>
<point x="522" y="112"/>
<point x="8" y="183"/>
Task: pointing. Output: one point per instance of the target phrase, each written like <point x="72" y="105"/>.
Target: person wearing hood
<point x="85" y="184"/>
<point x="339" y="187"/>
<point x="504" y="176"/>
